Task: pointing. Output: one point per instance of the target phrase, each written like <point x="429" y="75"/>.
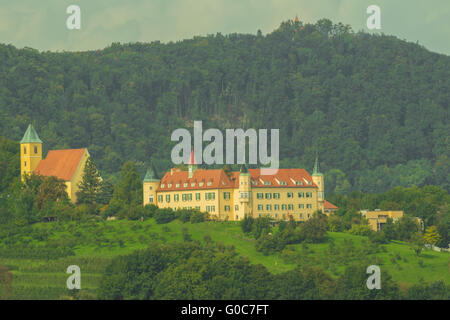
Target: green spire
<point x="150" y="176"/>
<point x="316" y="167"/>
<point x="30" y="136"/>
<point x="244" y="170"/>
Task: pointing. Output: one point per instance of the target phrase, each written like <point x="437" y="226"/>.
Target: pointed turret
<point x="316" y="168"/>
<point x="30" y="151"/>
<point x="244" y="170"/>
<point x="319" y="181"/>
<point x="150" y="175"/>
<point x="30" y="136"/>
<point x="150" y="186"/>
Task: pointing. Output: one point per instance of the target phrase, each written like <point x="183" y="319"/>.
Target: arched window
<point x="35" y="149"/>
<point x="24" y="150"/>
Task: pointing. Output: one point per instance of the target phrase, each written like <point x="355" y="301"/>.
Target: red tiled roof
<point x="328" y="205"/>
<point x="218" y="179"/>
<point x="61" y="163"/>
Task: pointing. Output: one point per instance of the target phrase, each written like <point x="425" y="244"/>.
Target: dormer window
<point x="177" y="185"/>
<point x="162" y="185"/>
<point x="298" y="183"/>
<point x="282" y="183"/>
<point x="267" y="183"/>
<point x="193" y="184"/>
<point x="185" y="184"/>
<point x="169" y="185"/>
<point x="201" y="184"/>
<point x="209" y="183"/>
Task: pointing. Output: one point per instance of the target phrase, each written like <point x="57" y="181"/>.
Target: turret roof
<point x="30" y="136"/>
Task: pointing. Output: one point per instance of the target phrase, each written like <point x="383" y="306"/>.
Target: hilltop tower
<point x="317" y="178"/>
<point x="244" y="192"/>
<point x="30" y="151"/>
<point x="150" y="185"/>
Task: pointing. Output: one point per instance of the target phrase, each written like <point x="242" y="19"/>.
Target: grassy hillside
<point x="95" y="244"/>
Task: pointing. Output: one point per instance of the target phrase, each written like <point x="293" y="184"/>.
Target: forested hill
<point x="374" y="106"/>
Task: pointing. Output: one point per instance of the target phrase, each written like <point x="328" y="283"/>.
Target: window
<point x="208" y="208"/>
<point x="309" y="206"/>
<point x="276" y="207"/>
<point x="189" y="196"/>
<point x="25" y="163"/>
<point x="35" y="150"/>
<point x="210" y="196"/>
<point x="209" y="183"/>
<point x="267" y="183"/>
<point x="290" y="207"/>
<point x="268" y="196"/>
<point x="185" y="184"/>
<point x="213" y="208"/>
<point x="259" y="195"/>
<point x="160" y="198"/>
<point x="150" y="199"/>
<point x="301" y="215"/>
<point x="244" y="195"/>
<point x="268" y="207"/>
<point x="24" y="150"/>
<point x="193" y="184"/>
<point x="309" y="194"/>
<point x="162" y="185"/>
<point x="301" y="194"/>
<point x="276" y="195"/>
<point x="301" y="206"/>
<point x="169" y="185"/>
<point x="201" y="184"/>
<point x="176" y="197"/>
<point x="236" y="207"/>
<point x="167" y="197"/>
<point x="226" y="195"/>
<point x="184" y="197"/>
<point x="290" y="195"/>
<point x="309" y="216"/>
<point x="151" y="188"/>
<point x="283" y="207"/>
<point x="237" y="217"/>
<point x="177" y="185"/>
<point x="260" y="207"/>
<point x="197" y="196"/>
<point x="299" y="183"/>
<point x="276" y="215"/>
<point x="227" y="208"/>
<point x="283" y="183"/>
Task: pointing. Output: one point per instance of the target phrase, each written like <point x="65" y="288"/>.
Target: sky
<point x="41" y="24"/>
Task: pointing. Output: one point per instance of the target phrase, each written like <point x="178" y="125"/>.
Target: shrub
<point x="164" y="215"/>
<point x="197" y="216"/>
<point x="360" y="230"/>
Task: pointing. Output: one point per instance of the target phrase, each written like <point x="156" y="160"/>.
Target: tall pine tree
<point x="90" y="185"/>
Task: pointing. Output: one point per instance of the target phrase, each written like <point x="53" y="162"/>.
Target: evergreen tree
<point x="106" y="192"/>
<point x="90" y="185"/>
<point x="128" y="190"/>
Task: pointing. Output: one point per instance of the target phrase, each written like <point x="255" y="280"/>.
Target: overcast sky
<point x="41" y="24"/>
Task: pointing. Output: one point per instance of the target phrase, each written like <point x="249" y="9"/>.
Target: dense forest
<point x="374" y="107"/>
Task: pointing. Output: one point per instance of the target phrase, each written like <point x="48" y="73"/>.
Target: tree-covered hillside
<point x="375" y="107"/>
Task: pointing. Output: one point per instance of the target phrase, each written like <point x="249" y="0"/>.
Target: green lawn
<point x="96" y="243"/>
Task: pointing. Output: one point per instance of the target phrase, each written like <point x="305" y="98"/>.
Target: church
<point x="233" y="195"/>
<point x="67" y="165"/>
